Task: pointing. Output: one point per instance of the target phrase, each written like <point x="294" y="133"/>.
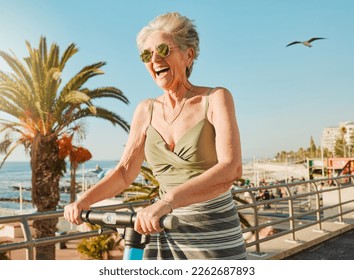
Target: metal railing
<point x="301" y="201"/>
<point x="294" y="214"/>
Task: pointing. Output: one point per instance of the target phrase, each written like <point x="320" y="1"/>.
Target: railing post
<point x="28" y="238"/>
<point x="256" y="225"/>
<point x="291" y="212"/>
<point x="318" y="206"/>
<point x="340" y="209"/>
<point x="291" y="216"/>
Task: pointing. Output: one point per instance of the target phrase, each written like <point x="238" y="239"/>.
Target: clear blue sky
<point x="283" y="95"/>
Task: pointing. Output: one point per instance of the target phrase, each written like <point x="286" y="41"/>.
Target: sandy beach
<point x="272" y="172"/>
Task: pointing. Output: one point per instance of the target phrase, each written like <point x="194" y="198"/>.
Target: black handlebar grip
<point x="114" y="219"/>
<point x="169" y="222"/>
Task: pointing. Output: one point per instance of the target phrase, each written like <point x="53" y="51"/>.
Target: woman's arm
<point x="219" y="178"/>
<point x="123" y="174"/>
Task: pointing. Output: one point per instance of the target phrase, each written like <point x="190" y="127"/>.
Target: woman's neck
<point x="178" y="95"/>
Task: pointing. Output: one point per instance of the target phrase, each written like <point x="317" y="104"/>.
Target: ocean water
<point x="16" y="176"/>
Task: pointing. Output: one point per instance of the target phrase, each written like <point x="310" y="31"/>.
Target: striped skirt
<point x="208" y="230"/>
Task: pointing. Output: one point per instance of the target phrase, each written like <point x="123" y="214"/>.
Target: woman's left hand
<point x="148" y="219"/>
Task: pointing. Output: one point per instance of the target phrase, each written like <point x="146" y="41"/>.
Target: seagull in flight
<point x="306" y="43"/>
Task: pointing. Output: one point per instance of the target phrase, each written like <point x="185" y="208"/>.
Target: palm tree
<point x="343" y="132"/>
<point x="76" y="155"/>
<point x="341" y="143"/>
<point x="312" y="149"/>
<point x="40" y="112"/>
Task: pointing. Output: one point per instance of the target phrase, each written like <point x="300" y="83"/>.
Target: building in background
<point x="331" y="134"/>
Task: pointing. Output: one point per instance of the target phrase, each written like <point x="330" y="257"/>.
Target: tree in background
<point x="351" y="144"/>
<point x="312" y="150"/>
<point x="76" y="155"/>
<point x="41" y="111"/>
<point x="342" y="147"/>
<point x="300" y="156"/>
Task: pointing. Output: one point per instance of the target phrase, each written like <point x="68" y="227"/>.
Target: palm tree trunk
<point x="46" y="172"/>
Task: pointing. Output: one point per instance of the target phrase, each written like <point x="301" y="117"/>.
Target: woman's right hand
<point x="73" y="211"/>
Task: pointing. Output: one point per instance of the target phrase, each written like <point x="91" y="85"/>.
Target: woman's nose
<point x="156" y="57"/>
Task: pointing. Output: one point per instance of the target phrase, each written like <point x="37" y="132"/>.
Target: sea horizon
<point x="16" y="177"/>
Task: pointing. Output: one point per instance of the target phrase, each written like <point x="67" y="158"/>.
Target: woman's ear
<point x="190" y="57"/>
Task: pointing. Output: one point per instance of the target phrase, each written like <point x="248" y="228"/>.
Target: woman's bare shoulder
<point x="142" y="110"/>
<point x="220" y="92"/>
<point x="220" y="96"/>
<point x="144" y="105"/>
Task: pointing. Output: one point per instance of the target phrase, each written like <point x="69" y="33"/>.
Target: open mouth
<point x="161" y="70"/>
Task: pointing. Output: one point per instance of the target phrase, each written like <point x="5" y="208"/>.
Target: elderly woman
<point x="190" y="138"/>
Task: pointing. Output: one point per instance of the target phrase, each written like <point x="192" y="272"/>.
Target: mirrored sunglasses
<point x="162" y="50"/>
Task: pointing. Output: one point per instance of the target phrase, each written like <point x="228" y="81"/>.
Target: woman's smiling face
<point x="170" y="71"/>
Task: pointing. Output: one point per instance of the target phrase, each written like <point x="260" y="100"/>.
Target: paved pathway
<point x="336" y="248"/>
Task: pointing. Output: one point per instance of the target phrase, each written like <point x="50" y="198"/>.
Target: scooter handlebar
<point x="114" y="219"/>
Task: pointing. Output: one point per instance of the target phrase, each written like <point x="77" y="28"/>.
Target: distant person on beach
<point x="189" y="136"/>
<point x="332" y="183"/>
<point x="279" y="193"/>
<point x="266" y="196"/>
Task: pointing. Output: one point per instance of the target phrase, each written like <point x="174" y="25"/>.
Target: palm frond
<point x="4" y="145"/>
<point x="13" y="88"/>
<point x="74" y="85"/>
<point x="147" y="173"/>
<point x="137" y="198"/>
<point x="46" y="77"/>
<point x="9" y="144"/>
<point x="137" y="187"/>
<point x="43" y="49"/>
<point x="38" y="74"/>
<point x="19" y="69"/>
<point x="9" y="125"/>
<point x="142" y="192"/>
<point x="68" y="104"/>
<point x="68" y="53"/>
<point x="104" y="114"/>
<point x="105" y="92"/>
<point x="81" y="78"/>
<point x="53" y="58"/>
<point x="76" y="97"/>
<point x="51" y="85"/>
<point x="9" y="108"/>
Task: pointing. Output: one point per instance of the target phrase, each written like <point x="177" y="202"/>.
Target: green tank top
<point x="194" y="153"/>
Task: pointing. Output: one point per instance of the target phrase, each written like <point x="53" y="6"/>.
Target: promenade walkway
<point x="335" y="242"/>
<point x="336" y="248"/>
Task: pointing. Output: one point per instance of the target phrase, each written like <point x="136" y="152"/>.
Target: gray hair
<point x="180" y="27"/>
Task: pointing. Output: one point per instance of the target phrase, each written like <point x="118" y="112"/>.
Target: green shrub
<point x="98" y="247"/>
